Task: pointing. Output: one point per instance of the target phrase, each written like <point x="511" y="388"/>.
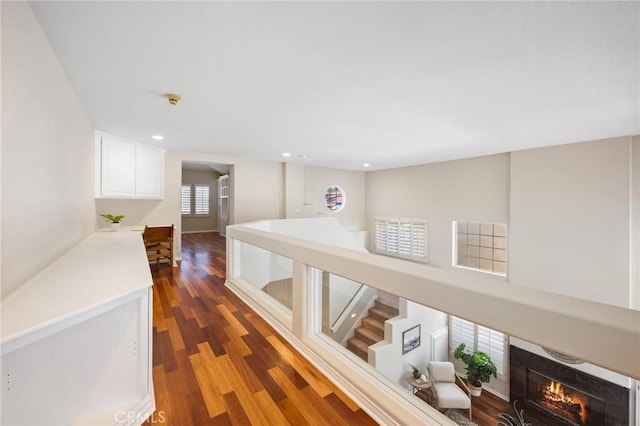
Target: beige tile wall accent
<point x="481" y="246"/>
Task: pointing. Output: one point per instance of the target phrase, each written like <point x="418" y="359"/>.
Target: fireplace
<point x="552" y="393"/>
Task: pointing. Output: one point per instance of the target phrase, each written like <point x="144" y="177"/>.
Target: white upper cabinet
<point x="118" y="164"/>
<point x="149" y="172"/>
<point x="127" y="169"/>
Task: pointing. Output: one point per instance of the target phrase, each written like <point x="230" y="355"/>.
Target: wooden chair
<point x="449" y="390"/>
<point x="158" y="241"/>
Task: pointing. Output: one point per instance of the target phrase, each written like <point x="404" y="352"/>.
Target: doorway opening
<point x="205" y="197"/>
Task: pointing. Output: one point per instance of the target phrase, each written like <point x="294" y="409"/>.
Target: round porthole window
<point x="335" y="198"/>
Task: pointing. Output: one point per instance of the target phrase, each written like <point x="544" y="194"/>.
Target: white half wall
<point x="47" y="153"/>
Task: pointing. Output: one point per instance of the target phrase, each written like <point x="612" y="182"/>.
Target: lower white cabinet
<point x="76" y="341"/>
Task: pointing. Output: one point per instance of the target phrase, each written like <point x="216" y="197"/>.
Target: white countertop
<point x="103" y="268"/>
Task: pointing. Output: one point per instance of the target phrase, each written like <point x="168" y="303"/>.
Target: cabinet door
<point x="149" y="172"/>
<point x="118" y="164"/>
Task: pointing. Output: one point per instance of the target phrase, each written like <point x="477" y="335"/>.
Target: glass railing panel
<point x="266" y="271"/>
<point x="382" y="330"/>
<point x="343" y="295"/>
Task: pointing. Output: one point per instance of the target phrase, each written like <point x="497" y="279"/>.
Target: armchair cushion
<point x="449" y="395"/>
<point x="442" y="371"/>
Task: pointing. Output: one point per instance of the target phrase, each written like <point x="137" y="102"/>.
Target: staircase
<point x="371" y="331"/>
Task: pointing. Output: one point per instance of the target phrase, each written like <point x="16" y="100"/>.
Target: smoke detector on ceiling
<point x="173" y="98"/>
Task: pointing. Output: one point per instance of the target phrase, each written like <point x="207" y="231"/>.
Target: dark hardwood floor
<point x="215" y="361"/>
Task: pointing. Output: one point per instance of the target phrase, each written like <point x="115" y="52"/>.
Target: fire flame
<point x="554" y="392"/>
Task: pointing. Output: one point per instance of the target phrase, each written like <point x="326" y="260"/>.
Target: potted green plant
<point x="479" y="368"/>
<point x="114" y="220"/>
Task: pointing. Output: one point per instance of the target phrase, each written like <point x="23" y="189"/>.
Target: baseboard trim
<point x="138" y="414"/>
<point x="200" y="232"/>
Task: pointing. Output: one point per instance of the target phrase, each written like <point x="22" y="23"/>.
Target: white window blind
<point x="477" y="337"/>
<point x="185" y="199"/>
<point x="381" y="235"/>
<point x="406" y="238"/>
<point x="201" y="199"/>
<point x="491" y="342"/>
<point x="461" y="331"/>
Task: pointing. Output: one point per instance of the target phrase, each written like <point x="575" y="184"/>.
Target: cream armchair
<point x="447" y="393"/>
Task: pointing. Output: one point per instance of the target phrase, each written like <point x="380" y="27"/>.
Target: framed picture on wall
<point x="410" y="339"/>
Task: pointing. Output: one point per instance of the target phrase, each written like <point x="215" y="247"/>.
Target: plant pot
<point x="115" y="227"/>
<point x="475" y="390"/>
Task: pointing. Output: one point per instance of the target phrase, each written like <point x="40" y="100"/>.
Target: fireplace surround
<point x="553" y="393"/>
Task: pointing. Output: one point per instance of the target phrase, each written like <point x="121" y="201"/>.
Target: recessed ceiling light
<point x="366" y="165"/>
<point x="157" y="137"/>
<point x="286" y="154"/>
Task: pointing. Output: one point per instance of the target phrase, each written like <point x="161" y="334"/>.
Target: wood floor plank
<point x="343" y="397"/>
<point x="262" y="372"/>
<point x="223" y="420"/>
<point x="235" y="410"/>
<point x="226" y="302"/>
<point x="345" y="412"/>
<point x="247" y="400"/>
<point x="291" y="412"/>
<point x="216" y="338"/>
<point x="300" y="366"/>
<point x="213" y="400"/>
<point x="233" y="321"/>
<point x="310" y="411"/>
<point x="241" y="370"/>
<point x="161" y="391"/>
<point x="158" y="311"/>
<point x="238" y="342"/>
<point x="219" y="378"/>
<point x="174" y="334"/>
<point x="270" y="408"/>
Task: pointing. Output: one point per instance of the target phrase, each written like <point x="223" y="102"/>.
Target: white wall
<point x="47" y="153"/>
<point x="293" y="189"/>
<point x="387" y="356"/>
<point x="305" y="187"/>
<point x="570" y="220"/>
<point x="474" y="190"/>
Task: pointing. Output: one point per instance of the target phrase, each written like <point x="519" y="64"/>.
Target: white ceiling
<point x="344" y="83"/>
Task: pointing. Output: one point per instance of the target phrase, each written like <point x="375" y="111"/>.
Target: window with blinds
<point x="194" y="199"/>
<point x="201" y="199"/>
<point x="406" y="238"/>
<point x="185" y="199"/>
<point x="477" y="337"/>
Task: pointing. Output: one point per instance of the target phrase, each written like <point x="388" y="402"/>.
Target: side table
<point x="416" y="384"/>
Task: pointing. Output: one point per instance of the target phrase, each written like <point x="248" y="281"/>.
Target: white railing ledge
<point x="605" y="335"/>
